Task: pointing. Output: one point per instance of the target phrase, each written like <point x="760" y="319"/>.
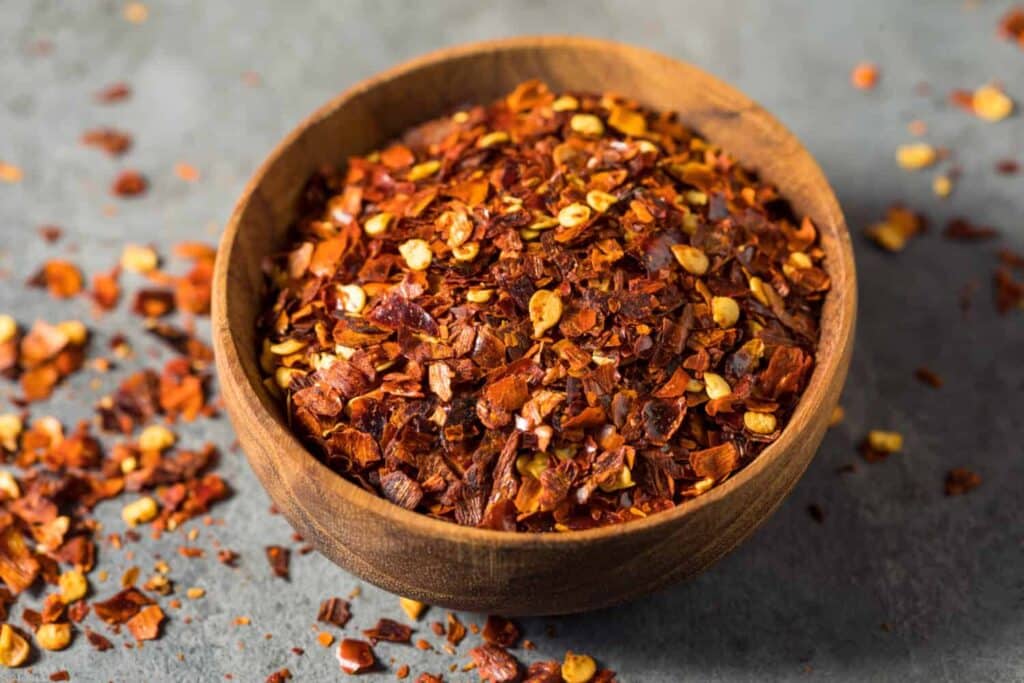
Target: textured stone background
<point x="799" y="600"/>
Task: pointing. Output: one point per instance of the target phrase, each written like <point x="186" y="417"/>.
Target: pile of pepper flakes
<point x="55" y="474"/>
<point x="552" y="312"/>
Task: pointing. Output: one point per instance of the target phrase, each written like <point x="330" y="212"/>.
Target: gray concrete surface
<point x="800" y="600"/>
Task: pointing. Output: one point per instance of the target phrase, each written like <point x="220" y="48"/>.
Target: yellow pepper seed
<point x="716" y="386"/>
<point x="692" y="259"/>
<point x="757" y="288"/>
<point x="915" y="156"/>
<point x="424" y="170"/>
<point x="141" y="511"/>
<point x="73" y="586"/>
<point x="578" y="668"/>
<point x="378" y="225"/>
<point x="14" y="649"/>
<point x="54" y="636"/>
<point x="479" y="296"/>
<point x="156" y="438"/>
<point x="351" y="298"/>
<point x="760" y="423"/>
<point x="887" y="442"/>
<point x="466" y="252"/>
<point x="725" y="311"/>
<point x="600" y="201"/>
<point x="545" y="311"/>
<point x="491" y="139"/>
<point x="565" y="103"/>
<point x="586" y="124"/>
<point x="574" y="215"/>
<point x="416" y="253"/>
<point x="622" y="480"/>
<point x="11" y="426"/>
<point x="8" y="328"/>
<point x="287" y="347"/>
<point x="991" y="104"/>
<point x="139" y="259"/>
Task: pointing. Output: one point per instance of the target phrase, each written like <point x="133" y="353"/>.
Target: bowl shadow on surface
<point x="897" y="572"/>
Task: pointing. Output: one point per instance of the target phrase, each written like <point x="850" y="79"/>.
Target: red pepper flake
<point x="106" y="289"/>
<point x="548" y="671"/>
<point x="1011" y="26"/>
<point x="62" y="279"/>
<point x="278" y="556"/>
<point x="456" y="629"/>
<point x="280" y="676"/>
<point x="153" y="303"/>
<point x="389" y="630"/>
<point x="1009" y="292"/>
<point x="115" y="92"/>
<point x="186" y="172"/>
<point x="129" y="184"/>
<point x="355" y="656"/>
<point x="146" y="624"/>
<point x="112" y="141"/>
<point x="334" y="611"/>
<point x="929" y="377"/>
<point x="227" y="557"/>
<point x="455" y="269"/>
<point x="1011" y="259"/>
<point x="501" y="631"/>
<point x="494" y="664"/>
<point x="51" y="233"/>
<point x="121" y="607"/>
<point x="9" y="173"/>
<point x="963" y="230"/>
<point x="402" y="672"/>
<point x="960" y="481"/>
<point x="864" y="76"/>
<point x="1007" y="167"/>
<point x="61" y="675"/>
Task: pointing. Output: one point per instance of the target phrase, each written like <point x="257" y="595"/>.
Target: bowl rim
<point x="230" y="368"/>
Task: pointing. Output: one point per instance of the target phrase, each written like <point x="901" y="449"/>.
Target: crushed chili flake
<point x="963" y="230"/>
<point x="115" y="92"/>
<point x="402" y="672"/>
<point x="186" y="172"/>
<point x="355" y="656"/>
<point x="112" y="141"/>
<point x="864" y="76"/>
<point x="278" y="557"/>
<point x="280" y="676"/>
<point x="1009" y="291"/>
<point x="50" y="233"/>
<point x="900" y="224"/>
<point x="493" y="663"/>
<point x="530" y="317"/>
<point x="1007" y="167"/>
<point x="9" y="173"/>
<point x="1011" y="25"/>
<point x="61" y="675"/>
<point x="456" y="629"/>
<point x="62" y="279"/>
<point x="129" y="184"/>
<point x="501" y="631"/>
<point x="961" y="480"/>
<point x="334" y="611"/>
<point x="390" y="630"/>
<point x="929" y="377"/>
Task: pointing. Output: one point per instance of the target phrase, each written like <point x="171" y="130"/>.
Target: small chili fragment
<point x="355" y="656"/>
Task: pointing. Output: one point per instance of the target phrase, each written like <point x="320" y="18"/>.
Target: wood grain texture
<point x="481" y="570"/>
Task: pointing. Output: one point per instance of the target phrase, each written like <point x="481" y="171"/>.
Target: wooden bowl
<point x="442" y="563"/>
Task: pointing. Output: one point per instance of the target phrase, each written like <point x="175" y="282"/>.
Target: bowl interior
<point x="379" y="109"/>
